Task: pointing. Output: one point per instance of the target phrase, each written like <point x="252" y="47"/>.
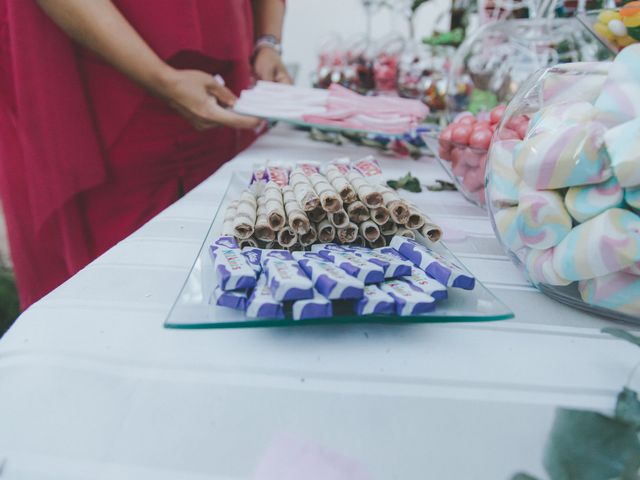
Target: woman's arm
<point x="99" y="26"/>
<point x="268" y="20"/>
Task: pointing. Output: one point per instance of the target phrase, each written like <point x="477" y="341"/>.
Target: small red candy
<point x="497" y="113"/>
<point x="473" y="180"/>
<point x="445" y="135"/>
<point x="522" y="130"/>
<point x="457" y="154"/>
<point x="444" y="153"/>
<point x="481" y="138"/>
<point x="508" y="134"/>
<point x="480" y="125"/>
<point x="466" y="120"/>
<point x="461" y="134"/>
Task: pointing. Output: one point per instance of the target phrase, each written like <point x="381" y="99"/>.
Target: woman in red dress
<point x="111" y="109"/>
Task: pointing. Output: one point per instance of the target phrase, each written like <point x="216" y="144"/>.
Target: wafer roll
<point x="317" y="214"/>
<point x="416" y="218"/>
<point x="369" y="230"/>
<point x="339" y="219"/>
<point x="405" y="232"/>
<point x="326" y="231"/>
<point x="430" y="230"/>
<point x="398" y="208"/>
<point x="329" y="197"/>
<point x="274" y="205"/>
<point x="378" y="242"/>
<point x="367" y="193"/>
<point x="347" y="234"/>
<point x="248" y="242"/>
<point x="303" y="190"/>
<point x="308" y="238"/>
<point x="245" y="220"/>
<point x="380" y="215"/>
<point x="341" y="184"/>
<point x="297" y="219"/>
<point x="357" y="211"/>
<point x="263" y="230"/>
<point x="287" y="237"/>
<point x="389" y="228"/>
<point x="359" y="241"/>
<point x="229" y="219"/>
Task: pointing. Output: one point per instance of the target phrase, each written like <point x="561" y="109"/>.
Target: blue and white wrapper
<point x="253" y="256"/>
<point x="356" y="266"/>
<point x="375" y="302"/>
<point x="434" y="264"/>
<point x="261" y="303"/>
<point x="235" y="299"/>
<point x="232" y="268"/>
<point x="428" y="285"/>
<point x="285" y="278"/>
<point x="330" y="280"/>
<point x="409" y="299"/>
<point x="316" y="307"/>
<point x="398" y="265"/>
<point x="318" y="247"/>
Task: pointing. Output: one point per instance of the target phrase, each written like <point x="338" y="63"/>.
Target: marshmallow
<point x="605" y="244"/>
<point x="632" y="197"/>
<point x="507" y="227"/>
<point x="568" y="82"/>
<point x="623" y="147"/>
<point x="539" y="267"/>
<point x="542" y="219"/>
<point x="588" y="201"/>
<point x="565" y="157"/>
<point x="503" y="179"/>
<point x="557" y="115"/>
<point x="620" y="96"/>
<point x="617" y="291"/>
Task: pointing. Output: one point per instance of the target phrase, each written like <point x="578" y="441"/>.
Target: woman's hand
<point x="201" y="99"/>
<point x="267" y="65"/>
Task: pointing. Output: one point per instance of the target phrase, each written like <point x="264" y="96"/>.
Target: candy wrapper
<point x="409" y="300"/>
<point x="428" y="285"/>
<point x="375" y="302"/>
<point x="315" y="307"/>
<point x="236" y="299"/>
<point x="356" y="266"/>
<point x="232" y="268"/>
<point x="433" y="263"/>
<point x="261" y="303"/>
<point x="328" y="279"/>
<point x="253" y="256"/>
<point x="285" y="277"/>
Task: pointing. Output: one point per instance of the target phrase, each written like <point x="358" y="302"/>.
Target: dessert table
<point x="93" y="386"/>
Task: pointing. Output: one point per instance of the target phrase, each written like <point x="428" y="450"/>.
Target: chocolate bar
<point x="232" y="268"/>
<point x="428" y="285"/>
<point x="356" y="266"/>
<point x="316" y="307"/>
<point x="328" y="279"/>
<point x="434" y="264"/>
<point x="375" y="301"/>
<point x="285" y="278"/>
<point x="261" y="303"/>
<point x="409" y="299"/>
<point x="253" y="255"/>
<point x="236" y="299"/>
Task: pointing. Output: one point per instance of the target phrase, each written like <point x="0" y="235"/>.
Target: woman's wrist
<point x="162" y="81"/>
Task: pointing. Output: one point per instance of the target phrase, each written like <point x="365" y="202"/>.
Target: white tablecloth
<point x="92" y="386"/>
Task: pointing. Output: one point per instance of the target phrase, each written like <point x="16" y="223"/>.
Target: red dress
<point x="86" y="156"/>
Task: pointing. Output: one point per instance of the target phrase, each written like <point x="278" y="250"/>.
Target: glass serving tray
<point x="193" y="308"/>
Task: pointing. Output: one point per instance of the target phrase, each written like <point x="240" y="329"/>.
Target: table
<point x="92" y="385"/>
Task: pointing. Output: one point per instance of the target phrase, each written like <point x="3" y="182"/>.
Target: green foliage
<point x="591" y="446"/>
<point x="408" y="182"/>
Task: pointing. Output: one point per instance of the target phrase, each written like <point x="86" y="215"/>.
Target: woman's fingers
<point x="219" y="115"/>
<point x="225" y="96"/>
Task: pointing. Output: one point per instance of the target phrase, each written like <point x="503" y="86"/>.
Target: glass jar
<point x="564" y="200"/>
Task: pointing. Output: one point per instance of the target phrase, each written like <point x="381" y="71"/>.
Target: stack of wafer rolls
<point x="296" y="208"/>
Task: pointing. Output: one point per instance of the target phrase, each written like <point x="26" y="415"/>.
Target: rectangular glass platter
<point x="193" y="308"/>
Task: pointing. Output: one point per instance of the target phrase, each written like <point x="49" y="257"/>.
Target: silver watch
<point x="267" y="41"/>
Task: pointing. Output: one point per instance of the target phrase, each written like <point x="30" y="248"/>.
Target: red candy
<point x="461" y="134"/>
<point x="466" y="120"/>
<point x="497" y="113"/>
<point x="473" y="179"/>
<point x="508" y="134"/>
<point x="481" y="138"/>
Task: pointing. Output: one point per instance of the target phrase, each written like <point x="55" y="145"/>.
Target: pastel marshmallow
<point x="505" y="222"/>
<point x="539" y="268"/>
<point x="617" y="291"/>
<point x="605" y="244"/>
<point x="502" y="179"/>
<point x="575" y="81"/>
<point x="569" y="156"/>
<point x="623" y="147"/>
<point x="542" y="219"/>
<point x="557" y="115"/>
<point x="587" y="201"/>
<point x="632" y="197"/>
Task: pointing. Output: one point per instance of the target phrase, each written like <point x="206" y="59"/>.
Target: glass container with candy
<point x="564" y="197"/>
